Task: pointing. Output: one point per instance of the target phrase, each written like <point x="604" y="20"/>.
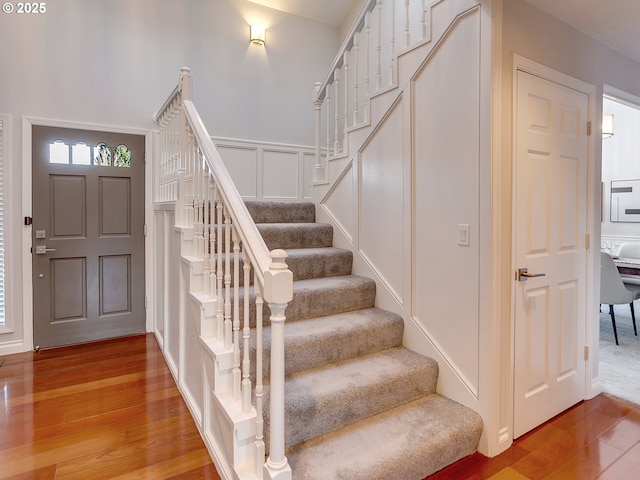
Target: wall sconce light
<point x="258" y="35"/>
<point x="607" y="125"/>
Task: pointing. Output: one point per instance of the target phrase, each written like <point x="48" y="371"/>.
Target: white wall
<point x="620" y="161"/>
<point x="114" y="62"/>
<point x="537" y="36"/>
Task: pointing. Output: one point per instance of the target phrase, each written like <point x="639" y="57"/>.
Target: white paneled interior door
<point x="551" y="152"/>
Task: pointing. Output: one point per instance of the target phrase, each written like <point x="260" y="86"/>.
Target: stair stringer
<point x="452" y="381"/>
<point x="202" y="369"/>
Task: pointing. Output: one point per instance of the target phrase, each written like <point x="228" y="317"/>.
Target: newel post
<point x="278" y="292"/>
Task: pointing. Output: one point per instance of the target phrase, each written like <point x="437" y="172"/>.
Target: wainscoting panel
<point x="334" y="202"/>
<point x="446" y="166"/>
<point x="268" y="171"/>
<point x="381" y="229"/>
<point x="242" y="163"/>
<point x="280" y="174"/>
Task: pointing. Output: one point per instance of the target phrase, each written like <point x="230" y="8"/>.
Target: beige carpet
<point x="620" y="364"/>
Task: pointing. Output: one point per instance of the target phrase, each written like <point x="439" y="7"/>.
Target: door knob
<point x="522" y="274"/>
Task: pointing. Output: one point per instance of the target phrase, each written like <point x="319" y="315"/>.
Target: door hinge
<point x="586" y="352"/>
<point x="589" y="128"/>
<point x="587" y="241"/>
<point x="144" y="229"/>
<point x="28" y="221"/>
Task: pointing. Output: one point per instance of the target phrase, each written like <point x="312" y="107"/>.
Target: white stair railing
<point x="192" y="174"/>
<point x="364" y="66"/>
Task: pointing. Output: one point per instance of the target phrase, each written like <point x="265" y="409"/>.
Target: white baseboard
<point x="16" y="346"/>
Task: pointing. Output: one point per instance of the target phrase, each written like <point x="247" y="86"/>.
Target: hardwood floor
<point x="97" y="411"/>
<point x="598" y="438"/>
<point x="111" y="410"/>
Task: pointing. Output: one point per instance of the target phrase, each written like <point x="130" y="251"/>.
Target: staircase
<point x="358" y="404"/>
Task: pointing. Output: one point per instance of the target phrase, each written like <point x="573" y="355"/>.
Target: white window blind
<point x="2" y="150"/>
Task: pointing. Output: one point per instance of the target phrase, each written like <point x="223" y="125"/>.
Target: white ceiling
<point x="331" y="12"/>
<point x="615" y="23"/>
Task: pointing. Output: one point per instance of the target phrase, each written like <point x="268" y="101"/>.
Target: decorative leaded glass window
<point x="83" y="154"/>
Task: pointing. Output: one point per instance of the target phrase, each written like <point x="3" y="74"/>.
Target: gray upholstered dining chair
<point x="613" y="291"/>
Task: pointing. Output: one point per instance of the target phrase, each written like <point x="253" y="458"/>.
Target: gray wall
<point x="114" y="62"/>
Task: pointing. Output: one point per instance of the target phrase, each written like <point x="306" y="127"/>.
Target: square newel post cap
<point x="278" y="280"/>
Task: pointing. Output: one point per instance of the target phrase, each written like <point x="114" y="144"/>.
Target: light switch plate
<point x="463" y="234"/>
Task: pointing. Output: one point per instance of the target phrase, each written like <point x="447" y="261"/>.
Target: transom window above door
<point x="82" y="154"/>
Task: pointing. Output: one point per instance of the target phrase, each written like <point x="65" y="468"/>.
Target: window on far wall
<point x="2" y="152"/>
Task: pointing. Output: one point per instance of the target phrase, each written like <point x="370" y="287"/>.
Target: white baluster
<point x="392" y="42"/>
<point x="206" y="230"/>
<point x="407" y="34"/>
<point x="423" y="20"/>
<point x="328" y="113"/>
<point x="246" y="335"/>
<point x="345" y="68"/>
<point x="355" y="80"/>
<point x="236" y="316"/>
<point x="227" y="281"/>
<point x="220" y="271"/>
<point x="212" y="239"/>
<point x="367" y="31"/>
<point x="260" y="447"/>
<point x="198" y="235"/>
<point x="317" y="104"/>
<point x="379" y="66"/>
<point x="336" y="138"/>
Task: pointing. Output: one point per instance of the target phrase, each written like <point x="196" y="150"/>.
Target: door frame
<point x="27" y="211"/>
<point x="592" y="281"/>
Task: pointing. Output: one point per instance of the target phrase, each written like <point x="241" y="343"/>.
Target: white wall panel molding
<point x="381" y="229"/>
<point x="268" y="170"/>
<point x="340" y="194"/>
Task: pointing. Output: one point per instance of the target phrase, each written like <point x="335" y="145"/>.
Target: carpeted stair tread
<point x="281" y="212"/>
<point x="317" y="297"/>
<point x="319" y="262"/>
<point x="323" y="399"/>
<point x="317" y="341"/>
<point x="408" y="442"/>
<point x="296" y="235"/>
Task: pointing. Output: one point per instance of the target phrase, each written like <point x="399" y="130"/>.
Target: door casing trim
<point x="27" y="208"/>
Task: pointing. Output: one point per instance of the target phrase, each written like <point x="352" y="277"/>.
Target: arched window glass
<point x="102" y="155"/>
<point x="59" y="152"/>
<point x="122" y="156"/>
<point x="81" y="154"/>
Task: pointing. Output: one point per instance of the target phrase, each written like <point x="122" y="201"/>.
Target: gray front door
<point x="88" y="235"/>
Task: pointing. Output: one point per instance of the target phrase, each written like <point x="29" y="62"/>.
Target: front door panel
<point x="88" y="238"/>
